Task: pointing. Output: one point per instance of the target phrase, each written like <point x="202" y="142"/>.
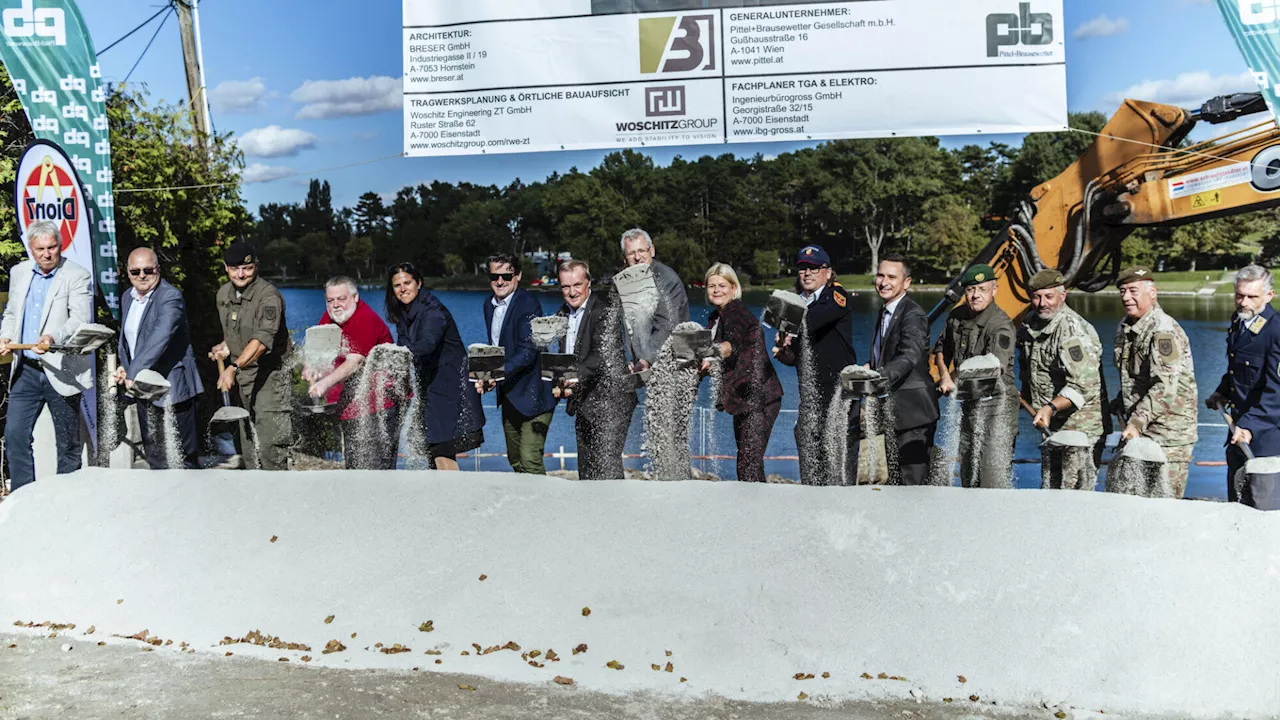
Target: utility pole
<point x="197" y="94"/>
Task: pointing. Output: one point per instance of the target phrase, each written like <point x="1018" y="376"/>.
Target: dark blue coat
<point x="522" y="385"/>
<point x="164" y="344"/>
<point x="450" y="403"/>
<point x="1252" y="380"/>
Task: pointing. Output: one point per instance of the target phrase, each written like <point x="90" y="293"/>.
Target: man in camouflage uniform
<point x="1060" y="363"/>
<point x="256" y="343"/>
<point x="1157" y="397"/>
<point x="988" y="426"/>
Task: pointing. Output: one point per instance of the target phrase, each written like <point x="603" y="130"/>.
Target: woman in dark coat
<point x="450" y="404"/>
<point x="749" y="387"/>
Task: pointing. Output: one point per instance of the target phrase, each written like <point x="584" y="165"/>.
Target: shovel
<point x="1261" y="476"/>
<point x="87" y="338"/>
<point x="1044" y="432"/>
<point x="227" y="413"/>
<point x="149" y="385"/>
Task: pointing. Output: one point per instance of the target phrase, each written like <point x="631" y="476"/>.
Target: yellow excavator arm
<point x="1133" y="175"/>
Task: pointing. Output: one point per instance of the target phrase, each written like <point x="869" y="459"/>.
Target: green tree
<point x="15" y="135"/>
<point x="766" y="264"/>
<point x="357" y="253"/>
<point x="949" y="234"/>
<point x="283" y="255"/>
<point x="683" y="255"/>
<point x="1042" y="157"/>
<point x="454" y="265"/>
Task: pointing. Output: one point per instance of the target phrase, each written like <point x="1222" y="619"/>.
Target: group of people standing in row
<point x="1059" y="360"/>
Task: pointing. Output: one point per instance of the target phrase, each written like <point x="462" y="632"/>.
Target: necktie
<point x="878" y="343"/>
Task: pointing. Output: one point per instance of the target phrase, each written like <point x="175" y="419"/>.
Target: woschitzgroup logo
<point x="664" y="101"/>
<point x="1024" y="28"/>
<point x="1259" y="12"/>
<point x="668" y="47"/>
<point x="27" y="21"/>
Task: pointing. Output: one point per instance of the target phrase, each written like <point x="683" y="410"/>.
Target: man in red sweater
<point x="367" y="413"/>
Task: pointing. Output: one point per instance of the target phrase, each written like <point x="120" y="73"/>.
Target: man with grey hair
<point x="1250" y="388"/>
<point x="370" y="419"/>
<point x="651" y="329"/>
<point x="49" y="299"/>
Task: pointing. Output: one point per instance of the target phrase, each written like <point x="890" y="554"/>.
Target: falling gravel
<point x="108" y="417"/>
<point x="673" y="391"/>
<point x="384" y="377"/>
<point x="810" y="418"/>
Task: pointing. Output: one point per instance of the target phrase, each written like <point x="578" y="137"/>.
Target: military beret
<point x="239" y="253"/>
<point x="1045" y="279"/>
<point x="976" y="274"/>
<point x="1134" y="274"/>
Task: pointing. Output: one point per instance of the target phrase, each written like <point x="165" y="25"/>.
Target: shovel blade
<point x="230" y="414"/>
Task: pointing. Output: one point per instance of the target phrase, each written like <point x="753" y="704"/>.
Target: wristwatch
<point x="235" y="367"/>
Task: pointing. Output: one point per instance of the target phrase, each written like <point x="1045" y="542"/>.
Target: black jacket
<point x="449" y="401"/>
<point x="829" y="326"/>
<point x="904" y="360"/>
<point x="603" y="379"/>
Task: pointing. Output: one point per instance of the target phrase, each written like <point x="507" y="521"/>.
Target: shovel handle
<point x="1231" y="425"/>
<point x="1032" y="412"/>
<point x="29" y="346"/>
<point x="226" y="397"/>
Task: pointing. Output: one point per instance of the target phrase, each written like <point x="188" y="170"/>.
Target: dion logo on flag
<point x="48" y="189"/>
<point x="675" y="44"/>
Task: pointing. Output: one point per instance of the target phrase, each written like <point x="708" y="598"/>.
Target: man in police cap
<point x="256" y="344"/>
<point x="1251" y="385"/>
<point x="819" y="354"/>
<point x="1157" y="398"/>
<point x="1060" y="360"/>
<point x="988" y="426"/>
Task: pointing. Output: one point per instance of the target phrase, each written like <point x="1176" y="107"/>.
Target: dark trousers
<point x="373" y="442"/>
<point x="151" y="423"/>
<point x="751" y="430"/>
<point x="913" y="453"/>
<point x="602" y="434"/>
<point x="31" y="391"/>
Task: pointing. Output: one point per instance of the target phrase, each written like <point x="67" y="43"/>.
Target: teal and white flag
<point x="49" y="55"/>
<point x="1255" y="25"/>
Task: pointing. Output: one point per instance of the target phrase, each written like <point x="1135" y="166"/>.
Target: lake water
<point x="1204" y="319"/>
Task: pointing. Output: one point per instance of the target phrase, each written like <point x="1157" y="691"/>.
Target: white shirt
<point x="575" y="322"/>
<point x="887" y="314"/>
<point x="810" y="299"/>
<point x="499" y="314"/>
<point x="133" y="320"/>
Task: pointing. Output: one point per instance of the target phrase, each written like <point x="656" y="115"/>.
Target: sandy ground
<point x="38" y="679"/>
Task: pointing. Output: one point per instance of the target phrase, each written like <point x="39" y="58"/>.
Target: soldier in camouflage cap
<point x="988" y="426"/>
<point x="1157" y="398"/>
<point x="1060" y="360"/>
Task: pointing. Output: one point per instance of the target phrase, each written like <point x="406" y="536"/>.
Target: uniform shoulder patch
<point x="1074" y="349"/>
<point x="839" y="298"/>
<point x="1004" y="340"/>
<point x="269" y="313"/>
<point x="1166" y="347"/>
<point x="1256" y="325"/>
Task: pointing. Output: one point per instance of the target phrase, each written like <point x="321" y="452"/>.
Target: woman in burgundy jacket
<point x="749" y="387"/>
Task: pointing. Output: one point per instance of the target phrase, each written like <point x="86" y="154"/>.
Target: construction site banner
<point x="50" y="58"/>
<point x="1255" y="25"/>
<point x="488" y="76"/>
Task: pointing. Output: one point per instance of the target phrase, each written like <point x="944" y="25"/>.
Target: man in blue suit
<point x="1251" y="385"/>
<point x="526" y="401"/>
<point x="155" y="336"/>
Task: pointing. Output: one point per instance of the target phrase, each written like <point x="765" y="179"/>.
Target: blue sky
<point x="314" y="84"/>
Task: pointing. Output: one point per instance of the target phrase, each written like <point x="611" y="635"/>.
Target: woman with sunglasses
<point x="451" y="407"/>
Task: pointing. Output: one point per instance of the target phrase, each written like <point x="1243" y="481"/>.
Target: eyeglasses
<point x="506" y="277"/>
<point x="811" y="270"/>
<point x="135" y="272"/>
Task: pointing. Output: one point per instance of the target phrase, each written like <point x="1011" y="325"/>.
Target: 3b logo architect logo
<point x="671" y="48"/>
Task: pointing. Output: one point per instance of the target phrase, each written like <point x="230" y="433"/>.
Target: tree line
<point x="858" y="198"/>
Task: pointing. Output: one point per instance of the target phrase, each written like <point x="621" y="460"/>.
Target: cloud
<point x="1101" y="26"/>
<point x="239" y="96"/>
<point x="275" y="141"/>
<point x="343" y="98"/>
<point x="259" y="172"/>
<point x="1187" y="90"/>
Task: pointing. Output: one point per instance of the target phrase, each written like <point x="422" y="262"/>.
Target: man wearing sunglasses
<point x="526" y="402"/>
<point x="156" y="336"/>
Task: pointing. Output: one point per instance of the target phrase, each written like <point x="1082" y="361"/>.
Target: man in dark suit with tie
<point x="526" y="402"/>
<point x="155" y="336"/>
<point x="603" y="396"/>
<point x="1250" y="387"/>
<point x="900" y="352"/>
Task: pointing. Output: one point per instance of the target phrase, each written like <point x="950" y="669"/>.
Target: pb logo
<point x="26" y="21"/>
<point x="670" y="48"/>
<point x="1026" y="28"/>
<point x="1258" y="12"/>
<point x="664" y="101"/>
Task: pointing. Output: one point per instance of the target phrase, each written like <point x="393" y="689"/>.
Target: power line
<point x="148" y="47"/>
<point x="144" y="24"/>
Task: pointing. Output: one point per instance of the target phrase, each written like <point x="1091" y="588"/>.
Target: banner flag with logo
<point x="1255" y="25"/>
<point x="631" y="73"/>
<point x="50" y="58"/>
